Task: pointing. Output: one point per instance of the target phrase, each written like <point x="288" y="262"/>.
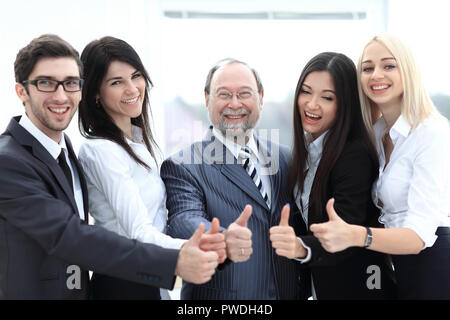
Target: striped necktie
<point x="244" y="156"/>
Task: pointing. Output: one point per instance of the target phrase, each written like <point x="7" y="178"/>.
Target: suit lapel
<point x="237" y="174"/>
<point x="40" y="153"/>
<point x="271" y="166"/>
<point x="215" y="153"/>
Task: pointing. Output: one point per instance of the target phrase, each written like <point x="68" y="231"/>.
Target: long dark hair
<point x="348" y="126"/>
<point x="93" y="121"/>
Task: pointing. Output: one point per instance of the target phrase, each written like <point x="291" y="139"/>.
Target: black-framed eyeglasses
<point x="49" y="85"/>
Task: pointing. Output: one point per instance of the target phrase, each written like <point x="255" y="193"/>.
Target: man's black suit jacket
<point x="43" y="241"/>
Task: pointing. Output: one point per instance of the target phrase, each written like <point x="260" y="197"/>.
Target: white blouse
<point x="413" y="191"/>
<point x="124" y="196"/>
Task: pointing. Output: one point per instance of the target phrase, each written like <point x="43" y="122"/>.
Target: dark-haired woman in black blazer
<point x="333" y="157"/>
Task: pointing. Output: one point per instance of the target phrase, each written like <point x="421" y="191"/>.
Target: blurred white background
<point x="179" y="40"/>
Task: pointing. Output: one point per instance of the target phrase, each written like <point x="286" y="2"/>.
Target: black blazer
<point x="41" y="234"/>
<point x="344" y="275"/>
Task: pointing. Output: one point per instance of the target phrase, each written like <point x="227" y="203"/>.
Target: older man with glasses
<point x="239" y="178"/>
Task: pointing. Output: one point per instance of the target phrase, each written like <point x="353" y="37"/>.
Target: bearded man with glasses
<point x="239" y="178"/>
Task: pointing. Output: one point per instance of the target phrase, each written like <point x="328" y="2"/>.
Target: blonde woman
<point x="413" y="185"/>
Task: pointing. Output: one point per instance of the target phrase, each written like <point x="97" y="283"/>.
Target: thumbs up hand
<point x="284" y="240"/>
<point x="194" y="265"/>
<point x="213" y="240"/>
<point x="334" y="235"/>
<point x="238" y="237"/>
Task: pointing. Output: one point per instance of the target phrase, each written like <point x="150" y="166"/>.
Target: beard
<point x="43" y="116"/>
<point x="238" y="129"/>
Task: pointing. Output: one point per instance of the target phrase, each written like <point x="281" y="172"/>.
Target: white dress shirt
<point x="413" y="191"/>
<point x="55" y="149"/>
<point x="255" y="157"/>
<point x="124" y="196"/>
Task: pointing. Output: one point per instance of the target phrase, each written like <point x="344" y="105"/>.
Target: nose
<point x="131" y="88"/>
<point x="235" y="102"/>
<point x="377" y="73"/>
<point x="313" y="103"/>
<point x="60" y="95"/>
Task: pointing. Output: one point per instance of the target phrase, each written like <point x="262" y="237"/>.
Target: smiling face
<point x="122" y="93"/>
<point x="317" y="103"/>
<point x="380" y="77"/>
<point x="51" y="112"/>
<point x="234" y="116"/>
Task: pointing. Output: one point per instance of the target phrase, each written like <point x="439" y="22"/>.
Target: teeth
<point x="311" y="115"/>
<point x="131" y="101"/>
<point x="381" y="87"/>
<point x="58" y="110"/>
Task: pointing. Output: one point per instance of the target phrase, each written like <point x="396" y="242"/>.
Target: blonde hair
<point x="416" y="104"/>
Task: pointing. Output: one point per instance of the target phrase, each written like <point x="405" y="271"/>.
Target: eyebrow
<point x="383" y="59"/>
<point x="326" y="90"/>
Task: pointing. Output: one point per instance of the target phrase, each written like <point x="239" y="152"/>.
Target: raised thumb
<point x="284" y="221"/>
<point x="215" y="225"/>
<point x="245" y="215"/>
<point x="332" y="215"/>
<point x="195" y="239"/>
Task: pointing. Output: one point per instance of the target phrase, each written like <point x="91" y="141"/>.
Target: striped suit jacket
<point x="205" y="181"/>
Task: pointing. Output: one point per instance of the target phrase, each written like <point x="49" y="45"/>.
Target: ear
<point x="261" y="96"/>
<point x="206" y="99"/>
<point x="22" y="93"/>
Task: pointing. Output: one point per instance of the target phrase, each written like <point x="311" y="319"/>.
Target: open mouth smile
<point x="130" y="101"/>
<point x="59" y="110"/>
<point x="311" y="117"/>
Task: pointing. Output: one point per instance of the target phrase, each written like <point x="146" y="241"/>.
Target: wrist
<point x="368" y="240"/>
<point x="359" y="236"/>
<point x="300" y="250"/>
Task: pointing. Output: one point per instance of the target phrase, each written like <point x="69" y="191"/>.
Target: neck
<point x="240" y="139"/>
<point x="125" y="127"/>
<point x="55" y="136"/>
<point x="390" y="114"/>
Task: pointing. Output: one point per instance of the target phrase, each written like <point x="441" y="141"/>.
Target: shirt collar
<point x="400" y="128"/>
<point x="49" y="144"/>
<point x="235" y="148"/>
<point x="136" y="135"/>
<point x="315" y="147"/>
<point x="379" y="128"/>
